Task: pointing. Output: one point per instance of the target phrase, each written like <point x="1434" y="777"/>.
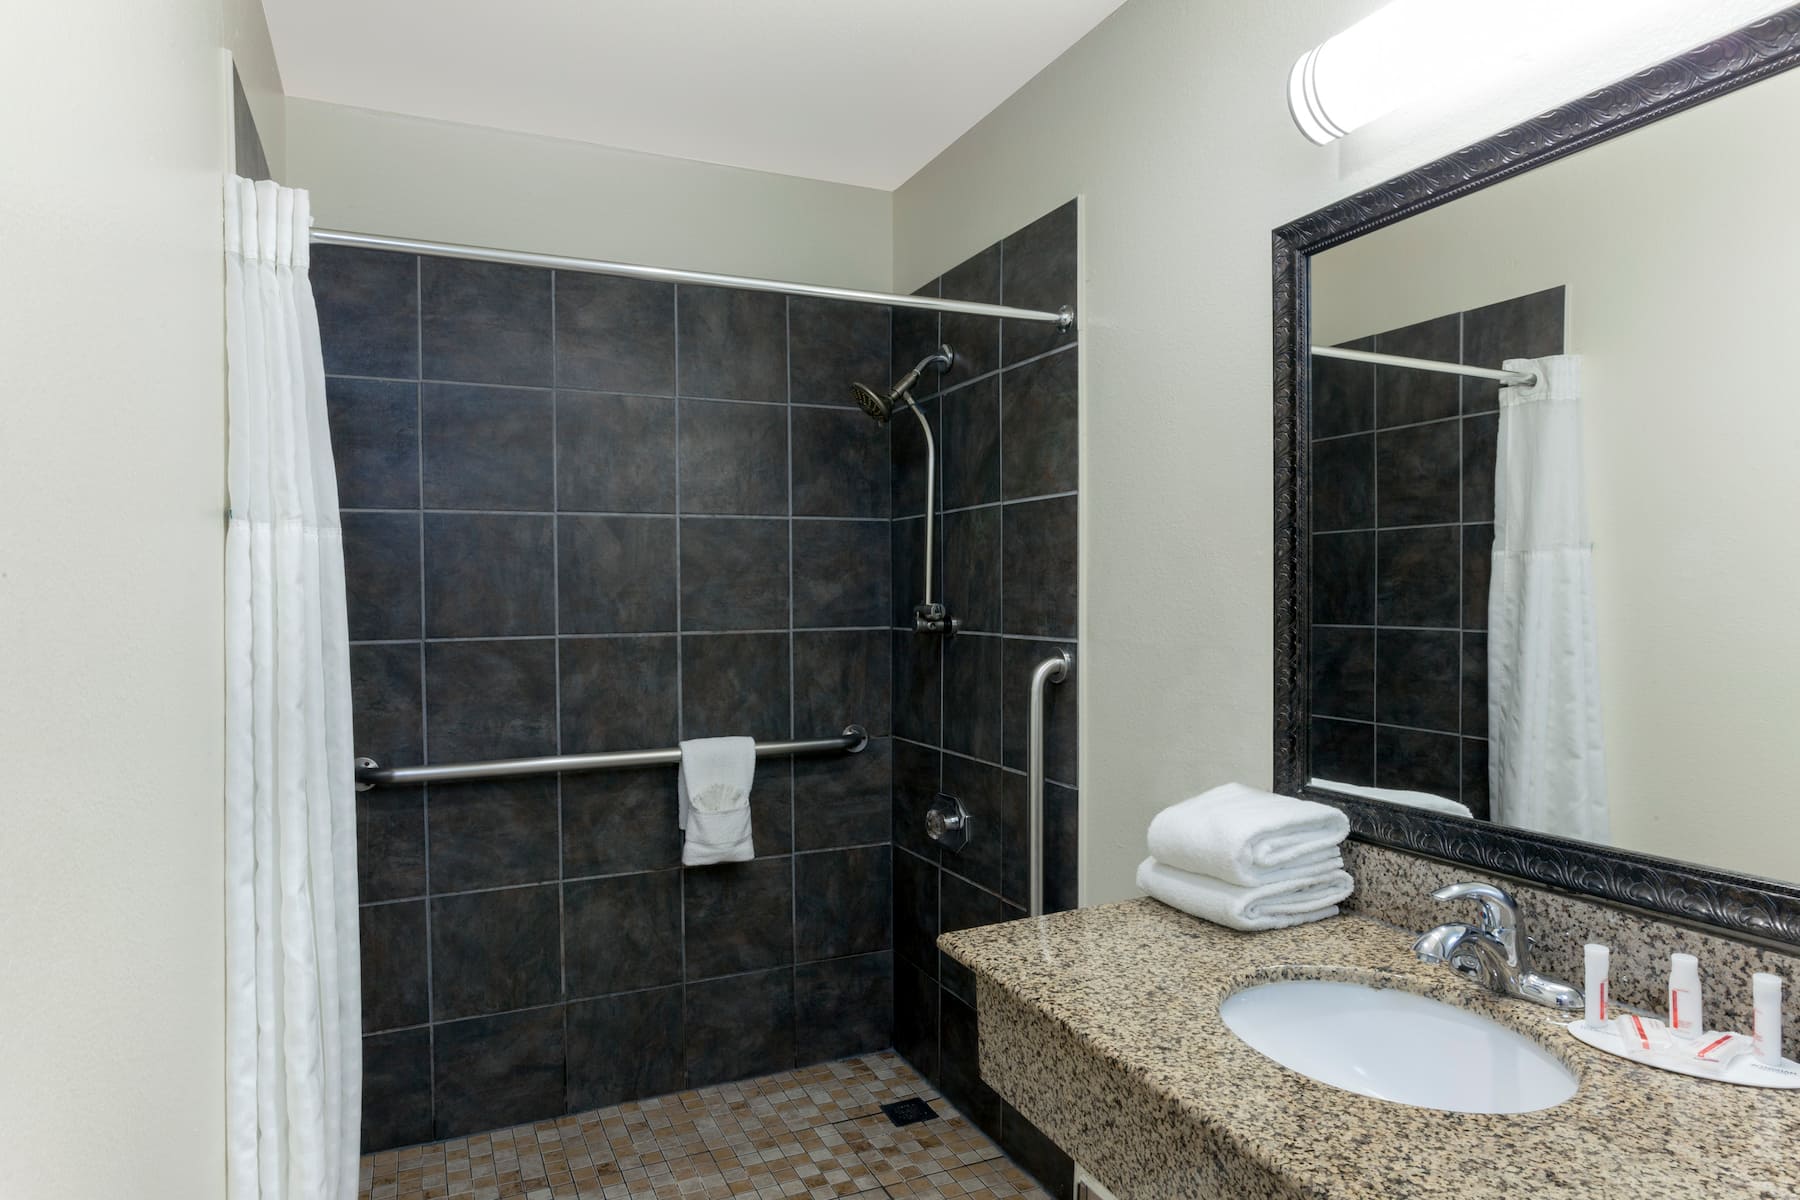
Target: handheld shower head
<point x="881" y="407"/>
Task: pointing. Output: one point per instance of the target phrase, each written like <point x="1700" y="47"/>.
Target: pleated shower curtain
<point x="293" y="1003"/>
<point x="1546" y="754"/>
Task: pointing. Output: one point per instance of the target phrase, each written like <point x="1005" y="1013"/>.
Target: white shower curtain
<point x="293" y="1003"/>
<point x="1546" y="758"/>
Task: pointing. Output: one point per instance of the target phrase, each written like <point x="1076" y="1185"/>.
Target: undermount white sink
<point x="1397" y="1046"/>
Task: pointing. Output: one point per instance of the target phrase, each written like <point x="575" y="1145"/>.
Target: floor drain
<point x="908" y="1112"/>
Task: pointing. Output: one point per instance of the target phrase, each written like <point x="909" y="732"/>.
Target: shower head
<point x="880" y="406"/>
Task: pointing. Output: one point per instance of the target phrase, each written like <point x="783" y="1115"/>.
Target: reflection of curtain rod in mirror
<point x="1425" y="364"/>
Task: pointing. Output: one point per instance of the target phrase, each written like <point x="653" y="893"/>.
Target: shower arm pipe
<point x="1063" y="317"/>
<point x="1517" y="378"/>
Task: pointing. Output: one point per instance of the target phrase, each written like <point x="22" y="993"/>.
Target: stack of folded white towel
<point x="1248" y="859"/>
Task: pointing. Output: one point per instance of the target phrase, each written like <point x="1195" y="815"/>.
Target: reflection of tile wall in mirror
<point x="1402" y="521"/>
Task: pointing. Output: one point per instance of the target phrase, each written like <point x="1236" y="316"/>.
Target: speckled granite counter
<point x="1102" y="1027"/>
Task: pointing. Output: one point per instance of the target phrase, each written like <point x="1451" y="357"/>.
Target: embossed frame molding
<point x="1742" y="905"/>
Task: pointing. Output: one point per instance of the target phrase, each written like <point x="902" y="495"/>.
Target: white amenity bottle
<point x="1597" y="958"/>
<point x="1765" y="993"/>
<point x="1684" y="996"/>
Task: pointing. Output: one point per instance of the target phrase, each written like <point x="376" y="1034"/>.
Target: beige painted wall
<point x="1170" y="121"/>
<point x="373" y="172"/>
<point x="1680" y="304"/>
<point x="112" y="426"/>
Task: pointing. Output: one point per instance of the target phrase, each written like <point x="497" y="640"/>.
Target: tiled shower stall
<point x="588" y="513"/>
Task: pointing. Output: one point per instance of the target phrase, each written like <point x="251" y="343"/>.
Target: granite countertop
<point x="1102" y="1026"/>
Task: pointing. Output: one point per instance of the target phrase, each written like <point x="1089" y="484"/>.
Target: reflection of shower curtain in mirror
<point x="1546" y="758"/>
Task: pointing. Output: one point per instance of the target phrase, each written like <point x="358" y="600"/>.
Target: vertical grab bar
<point x="1054" y="669"/>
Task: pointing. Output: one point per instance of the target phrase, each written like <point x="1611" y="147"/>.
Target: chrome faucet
<point x="1496" y="953"/>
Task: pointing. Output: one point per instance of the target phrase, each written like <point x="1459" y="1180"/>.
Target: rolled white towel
<point x="1429" y="801"/>
<point x="1247" y="836"/>
<point x="1269" y="906"/>
<point x="713" y="800"/>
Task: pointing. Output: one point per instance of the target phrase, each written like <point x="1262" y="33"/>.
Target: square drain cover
<point x="908" y="1112"/>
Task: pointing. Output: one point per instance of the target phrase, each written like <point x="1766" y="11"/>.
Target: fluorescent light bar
<point x="1393" y="56"/>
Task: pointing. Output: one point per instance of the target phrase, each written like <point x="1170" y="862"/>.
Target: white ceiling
<point x="855" y="91"/>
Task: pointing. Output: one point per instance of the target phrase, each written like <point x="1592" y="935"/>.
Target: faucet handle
<point x="1498" y="909"/>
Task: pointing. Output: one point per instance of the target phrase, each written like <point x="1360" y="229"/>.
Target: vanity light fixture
<point x="1409" y="50"/>
<point x="1393" y="56"/>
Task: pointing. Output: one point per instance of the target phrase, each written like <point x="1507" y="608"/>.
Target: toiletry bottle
<point x="1765" y="991"/>
<point x="1684" y="996"/>
<point x="1597" y="957"/>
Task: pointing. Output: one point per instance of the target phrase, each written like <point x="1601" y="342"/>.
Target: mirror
<point x="1571" y="607"/>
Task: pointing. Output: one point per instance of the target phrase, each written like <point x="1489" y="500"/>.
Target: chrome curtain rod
<point x="1425" y="364"/>
<point x="370" y="773"/>
<point x="1063" y="317"/>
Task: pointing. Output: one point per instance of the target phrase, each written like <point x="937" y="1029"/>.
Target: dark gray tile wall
<point x="1006" y="420"/>
<point x="586" y="513"/>
<point x="1402" y="519"/>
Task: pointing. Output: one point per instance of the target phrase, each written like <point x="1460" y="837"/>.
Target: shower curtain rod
<point x="1425" y="364"/>
<point x="1064" y="317"/>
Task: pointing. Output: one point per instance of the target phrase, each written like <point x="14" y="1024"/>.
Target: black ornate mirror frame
<point x="1740" y="904"/>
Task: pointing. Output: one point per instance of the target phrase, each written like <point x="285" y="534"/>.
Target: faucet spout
<point x="1499" y="915"/>
<point x="1436" y="945"/>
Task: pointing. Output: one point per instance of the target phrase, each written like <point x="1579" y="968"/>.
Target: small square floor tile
<point x="817" y="1133"/>
<point x="911" y="1152"/>
<point x="993" y="1180"/>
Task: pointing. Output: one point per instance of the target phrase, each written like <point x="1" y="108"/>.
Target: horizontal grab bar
<point x="370" y="773"/>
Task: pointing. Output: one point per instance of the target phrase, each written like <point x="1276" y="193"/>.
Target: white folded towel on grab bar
<point x="1268" y="906"/>
<point x="713" y="806"/>
<point x="1249" y="837"/>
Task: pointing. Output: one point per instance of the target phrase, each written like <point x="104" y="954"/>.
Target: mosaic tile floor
<point x="812" y="1134"/>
